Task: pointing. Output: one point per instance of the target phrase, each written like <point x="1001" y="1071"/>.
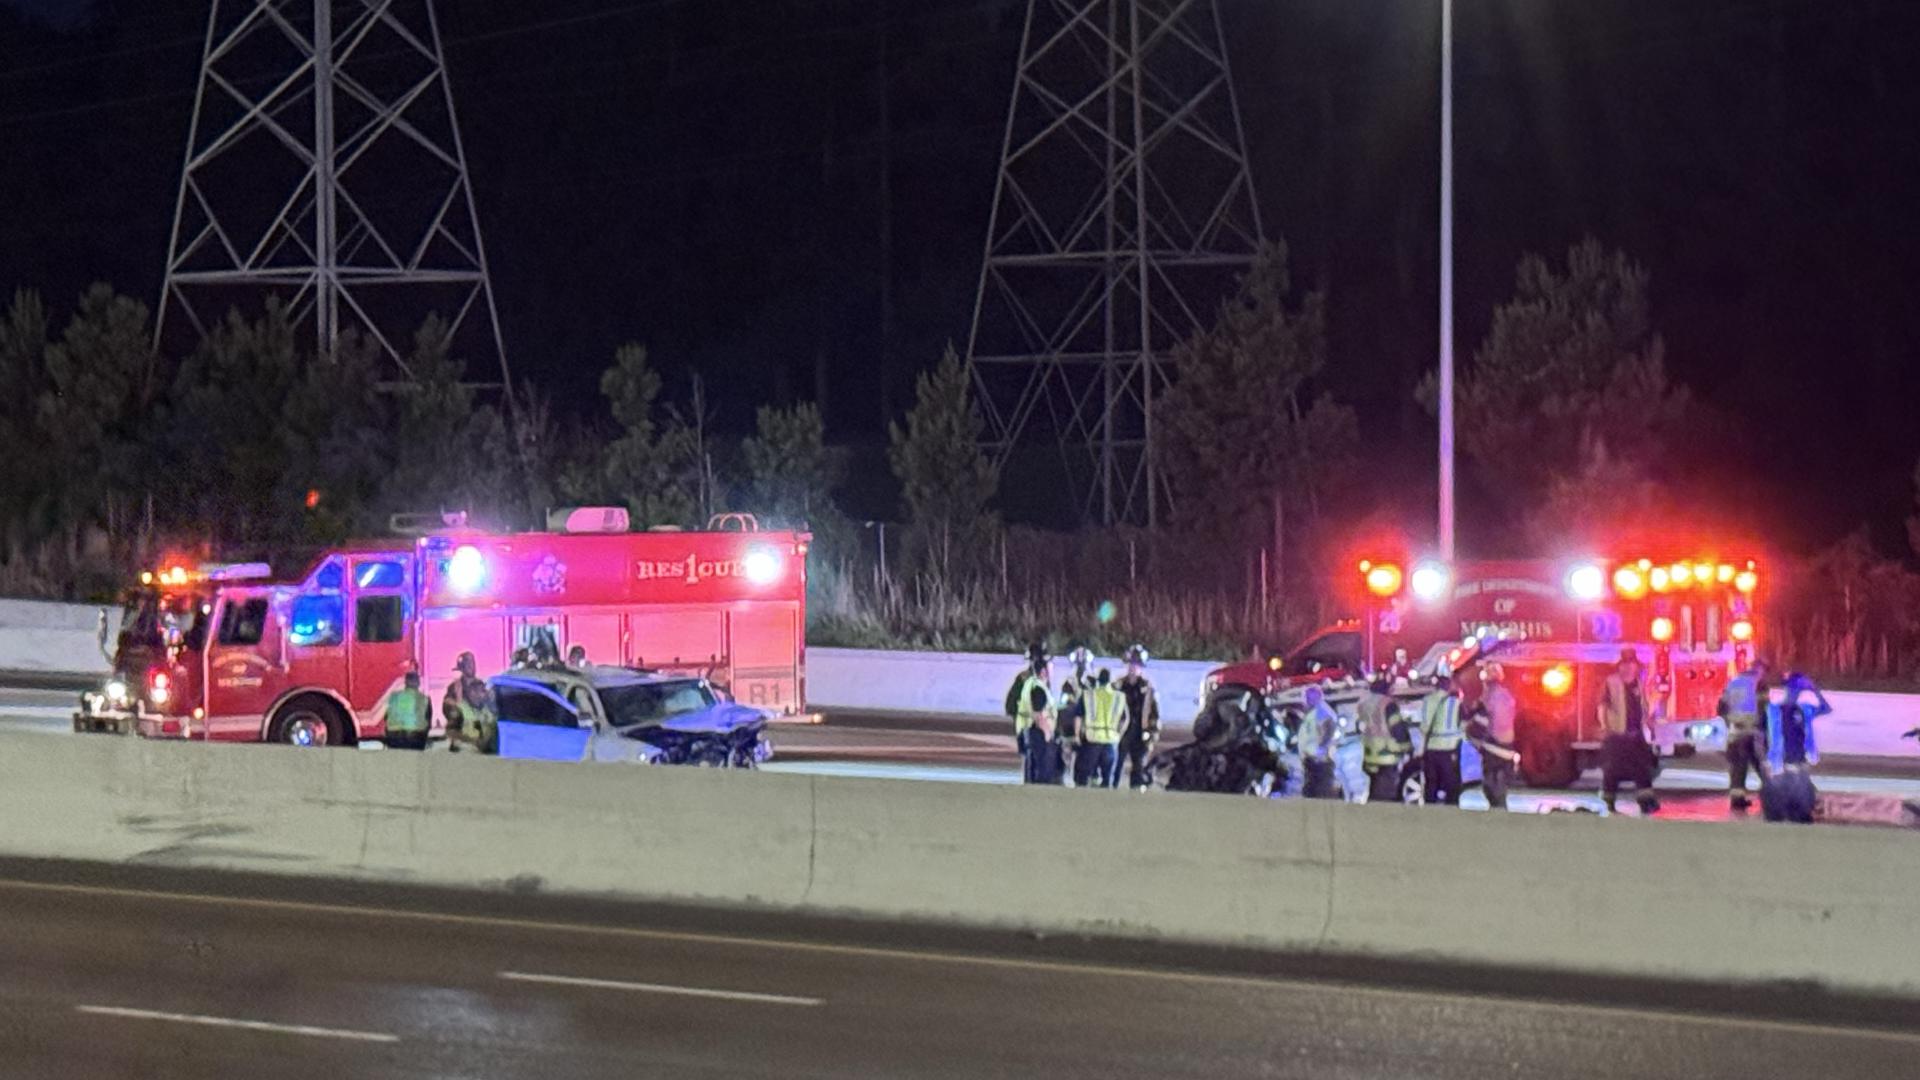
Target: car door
<point x="537" y="722"/>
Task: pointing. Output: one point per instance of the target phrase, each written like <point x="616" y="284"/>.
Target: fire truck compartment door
<point x="765" y="642"/>
<point x="599" y="634"/>
<point x="443" y="640"/>
<point x="686" y="641"/>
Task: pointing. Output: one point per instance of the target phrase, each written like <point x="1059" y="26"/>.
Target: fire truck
<point x="231" y="652"/>
<point x="1563" y="626"/>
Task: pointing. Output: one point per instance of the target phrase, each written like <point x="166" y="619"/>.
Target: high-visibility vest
<point x="1381" y="749"/>
<point x="1024" y="712"/>
<point x="1105" y="715"/>
<point x="406" y="711"/>
<point x="1317" y="731"/>
<point x="1742" y="699"/>
<point x="1440" y="722"/>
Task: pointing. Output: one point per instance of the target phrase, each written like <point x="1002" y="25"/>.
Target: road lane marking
<point x="244" y="1025"/>
<point x="1056" y="967"/>
<point x="659" y="988"/>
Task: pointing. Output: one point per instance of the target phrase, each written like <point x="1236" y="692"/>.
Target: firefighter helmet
<point x="1137" y="654"/>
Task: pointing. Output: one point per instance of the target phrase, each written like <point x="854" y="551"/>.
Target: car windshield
<point x="654" y="703"/>
<point x="150" y="613"/>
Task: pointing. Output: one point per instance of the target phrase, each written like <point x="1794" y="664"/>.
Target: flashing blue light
<point x="467" y="570"/>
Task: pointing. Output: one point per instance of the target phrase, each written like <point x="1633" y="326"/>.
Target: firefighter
<point x="1103" y="721"/>
<point x="1349" y="756"/>
<point x="1143" y="706"/>
<point x="1385" y="741"/>
<point x="1440" y="741"/>
<point x="1625" y="754"/>
<point x="467" y="708"/>
<point x="1740" y="707"/>
<point x="1066" y="717"/>
<point x="1493" y="735"/>
<point x="1315" y="741"/>
<point x="408" y="716"/>
<point x="1031" y="706"/>
<point x="1402" y="667"/>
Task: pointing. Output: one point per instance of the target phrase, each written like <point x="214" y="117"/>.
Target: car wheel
<point x="1413" y="784"/>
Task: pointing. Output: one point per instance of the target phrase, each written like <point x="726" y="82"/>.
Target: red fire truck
<point x="1692" y="622"/>
<point x="232" y="653"/>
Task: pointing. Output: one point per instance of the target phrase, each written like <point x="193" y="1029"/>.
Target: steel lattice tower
<point x="324" y="165"/>
<point x="1122" y="215"/>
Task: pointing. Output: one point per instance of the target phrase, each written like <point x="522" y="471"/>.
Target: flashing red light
<point x="313" y="498"/>
<point x="1741" y="630"/>
<point x="1383" y="579"/>
<point x="1746" y="581"/>
<point x="1557" y="680"/>
<point x="1662" y="629"/>
<point x="1630" y="582"/>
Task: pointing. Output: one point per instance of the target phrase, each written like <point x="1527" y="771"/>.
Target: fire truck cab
<point x="234" y="654"/>
<point x="1566" y="623"/>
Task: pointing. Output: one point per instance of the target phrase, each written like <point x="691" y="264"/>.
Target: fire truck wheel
<point x="1546" y="759"/>
<point x="308" y="721"/>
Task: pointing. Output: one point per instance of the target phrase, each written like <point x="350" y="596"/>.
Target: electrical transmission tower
<point x="324" y="165"/>
<point x="1123" y="214"/>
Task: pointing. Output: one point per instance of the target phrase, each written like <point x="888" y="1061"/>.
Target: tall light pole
<point x="1446" y="280"/>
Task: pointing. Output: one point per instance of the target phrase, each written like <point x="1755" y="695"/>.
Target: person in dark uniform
<point x="1786" y="791"/>
<point x="1143" y="705"/>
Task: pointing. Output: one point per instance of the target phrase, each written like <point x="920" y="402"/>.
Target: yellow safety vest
<point x="1105" y="715"/>
<point x="1440" y="722"/>
<point x="1023" y="712"/>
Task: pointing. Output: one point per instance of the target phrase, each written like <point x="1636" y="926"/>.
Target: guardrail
<point x="1561" y="892"/>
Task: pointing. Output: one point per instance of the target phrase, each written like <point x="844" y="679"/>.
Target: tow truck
<point x="232" y="652"/>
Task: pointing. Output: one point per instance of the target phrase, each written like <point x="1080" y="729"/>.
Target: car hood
<point x="726" y="716"/>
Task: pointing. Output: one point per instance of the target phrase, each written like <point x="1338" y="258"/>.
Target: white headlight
<point x="1429" y="581"/>
<point x="1586" y="582"/>
<point x="117" y="692"/>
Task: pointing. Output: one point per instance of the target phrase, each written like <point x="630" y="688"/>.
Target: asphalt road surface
<point x="158" y="974"/>
<point x="980" y="750"/>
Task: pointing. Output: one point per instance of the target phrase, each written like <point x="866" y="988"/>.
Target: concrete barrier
<point x="42" y="637"/>
<point x="965" y="684"/>
<point x="1559" y="892"/>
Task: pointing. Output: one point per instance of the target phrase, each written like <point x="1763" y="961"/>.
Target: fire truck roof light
<point x="1723" y="573"/>
<point x="762" y="567"/>
<point x="1662" y="629"/>
<point x="1383" y="579"/>
<point x="1703" y="572"/>
<point x="1429" y="581"/>
<point x="1586" y="582"/>
<point x="1680" y="574"/>
<point x="467" y="569"/>
<point x="1657" y="577"/>
<point x="1629" y="582"/>
<point x="1746" y="581"/>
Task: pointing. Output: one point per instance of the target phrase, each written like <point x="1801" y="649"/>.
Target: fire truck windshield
<point x="152" y="617"/>
<point x="653" y="703"/>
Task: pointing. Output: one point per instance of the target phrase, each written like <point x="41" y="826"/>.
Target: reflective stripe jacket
<point x="1317" y="728"/>
<point x="1027" y="713"/>
<point x="1440" y="721"/>
<point x="406" y="711"/>
<point x="1104" y="715"/>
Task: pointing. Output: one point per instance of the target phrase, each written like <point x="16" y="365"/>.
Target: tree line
<point x="1572" y="430"/>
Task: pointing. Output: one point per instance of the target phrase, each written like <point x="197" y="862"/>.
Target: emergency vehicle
<point x="230" y="652"/>
<point x="1691" y="621"/>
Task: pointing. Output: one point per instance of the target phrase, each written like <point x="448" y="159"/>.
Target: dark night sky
<point x="703" y="176"/>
